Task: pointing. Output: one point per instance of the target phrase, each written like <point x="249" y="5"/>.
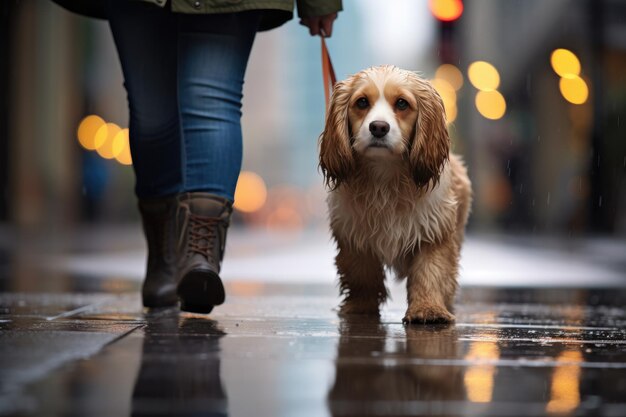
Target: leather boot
<point x="202" y="222"/>
<point x="159" y="285"/>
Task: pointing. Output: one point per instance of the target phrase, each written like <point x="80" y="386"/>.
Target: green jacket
<point x="276" y="12"/>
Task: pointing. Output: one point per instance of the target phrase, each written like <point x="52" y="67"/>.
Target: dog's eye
<point x="362" y="103"/>
<point x="402" y="104"/>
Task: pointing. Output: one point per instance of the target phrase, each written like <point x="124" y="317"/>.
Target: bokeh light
<point x="574" y="89"/>
<point x="483" y="76"/>
<point x="286" y="208"/>
<point x="104" y="140"/>
<point x="490" y="104"/>
<point x="565" y="62"/>
<point x="87" y="129"/>
<point x="451" y="74"/>
<point x="448" y="95"/>
<point x="285" y="217"/>
<point x="446" y="10"/>
<point x="451" y="113"/>
<point x="121" y="148"/>
<point x="565" y="389"/>
<point x="107" y="139"/>
<point x="479" y="378"/>
<point x="251" y="192"/>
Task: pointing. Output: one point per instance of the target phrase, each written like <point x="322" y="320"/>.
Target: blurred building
<point x="548" y="165"/>
<point x="58" y="67"/>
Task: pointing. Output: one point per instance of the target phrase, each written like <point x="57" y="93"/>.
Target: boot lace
<point x="202" y="235"/>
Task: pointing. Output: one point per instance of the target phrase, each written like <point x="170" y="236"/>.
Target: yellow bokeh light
<point x="448" y="95"/>
<point x="565" y="386"/>
<point x="446" y="10"/>
<point x="451" y="113"/>
<point x="574" y="89"/>
<point x="490" y="104"/>
<point x="565" y="63"/>
<point x="451" y="74"/>
<point x="121" y="148"/>
<point x="104" y="140"/>
<point x="251" y="192"/>
<point x="87" y="129"/>
<point x="483" y="76"/>
<point x="479" y="377"/>
<point x="445" y="89"/>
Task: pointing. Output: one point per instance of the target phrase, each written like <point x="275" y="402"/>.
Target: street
<point x="528" y="341"/>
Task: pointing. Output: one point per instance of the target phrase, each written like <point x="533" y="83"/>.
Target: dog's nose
<point x="379" y="128"/>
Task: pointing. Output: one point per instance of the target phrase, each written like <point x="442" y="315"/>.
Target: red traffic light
<point x="446" y="10"/>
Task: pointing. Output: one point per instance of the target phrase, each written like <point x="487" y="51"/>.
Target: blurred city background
<point x="535" y="93"/>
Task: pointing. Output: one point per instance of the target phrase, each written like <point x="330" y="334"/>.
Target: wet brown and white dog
<point x="399" y="199"/>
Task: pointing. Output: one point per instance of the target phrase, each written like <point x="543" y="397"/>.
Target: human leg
<point x="212" y="58"/>
<point x="184" y="76"/>
<point x="147" y="45"/>
<point x="145" y="37"/>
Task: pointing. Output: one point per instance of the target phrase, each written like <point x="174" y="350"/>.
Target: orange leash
<point x="328" y="73"/>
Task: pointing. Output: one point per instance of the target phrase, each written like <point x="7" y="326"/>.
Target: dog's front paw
<point x="427" y="314"/>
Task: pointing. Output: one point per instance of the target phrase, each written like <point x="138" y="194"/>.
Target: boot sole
<point x="159" y="302"/>
<point x="200" y="291"/>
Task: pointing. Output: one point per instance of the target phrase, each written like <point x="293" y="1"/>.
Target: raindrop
<point x="600" y="202"/>
<point x="538" y="138"/>
<point x="521" y="188"/>
<point x="548" y="200"/>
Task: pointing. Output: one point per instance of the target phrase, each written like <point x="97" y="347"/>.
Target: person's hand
<point x="318" y="24"/>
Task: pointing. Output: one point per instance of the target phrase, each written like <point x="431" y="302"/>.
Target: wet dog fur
<point x="398" y="198"/>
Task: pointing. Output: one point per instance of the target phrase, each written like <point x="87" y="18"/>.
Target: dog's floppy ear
<point x="431" y="145"/>
<point x="336" y="159"/>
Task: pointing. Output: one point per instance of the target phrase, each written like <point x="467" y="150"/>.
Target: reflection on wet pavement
<point x="280" y="350"/>
<point x="187" y="351"/>
<point x="373" y="376"/>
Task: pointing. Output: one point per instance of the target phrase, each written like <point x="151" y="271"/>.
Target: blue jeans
<point x="184" y="79"/>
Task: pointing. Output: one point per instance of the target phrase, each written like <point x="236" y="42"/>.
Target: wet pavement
<point x="282" y="351"/>
<point x="279" y="349"/>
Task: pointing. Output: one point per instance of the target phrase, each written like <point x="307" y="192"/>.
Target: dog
<point x="398" y="198"/>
